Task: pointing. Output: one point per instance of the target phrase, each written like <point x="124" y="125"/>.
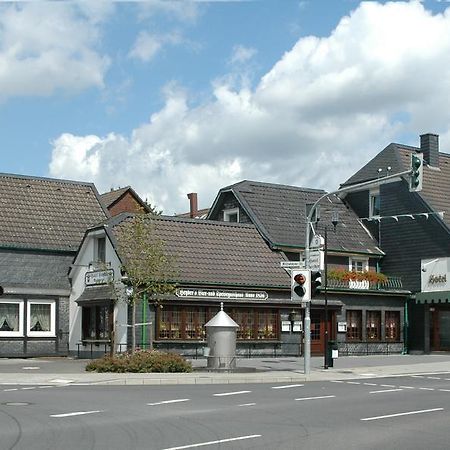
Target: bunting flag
<point x="410" y="216"/>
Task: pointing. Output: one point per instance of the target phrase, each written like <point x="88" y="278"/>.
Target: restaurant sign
<point x="214" y="294"/>
<point x="97" y="277"/>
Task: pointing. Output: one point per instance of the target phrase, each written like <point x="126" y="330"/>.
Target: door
<point x="444" y="330"/>
<point x="318" y="331"/>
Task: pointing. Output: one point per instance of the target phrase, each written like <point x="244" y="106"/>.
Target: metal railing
<point x="391" y="284"/>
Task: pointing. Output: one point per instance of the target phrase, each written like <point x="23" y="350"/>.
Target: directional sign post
<point x="316" y="254"/>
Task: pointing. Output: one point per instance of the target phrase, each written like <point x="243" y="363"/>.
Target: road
<point x="407" y="412"/>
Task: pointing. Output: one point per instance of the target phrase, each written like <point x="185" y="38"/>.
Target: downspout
<point x="405" y="329"/>
<point x="144" y="321"/>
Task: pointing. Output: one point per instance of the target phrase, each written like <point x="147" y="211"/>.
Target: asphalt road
<point x="409" y="412"/>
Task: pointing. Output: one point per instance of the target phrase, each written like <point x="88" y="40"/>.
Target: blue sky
<point x="174" y="97"/>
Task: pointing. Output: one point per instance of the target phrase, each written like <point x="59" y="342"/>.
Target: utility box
<point x="221" y="335"/>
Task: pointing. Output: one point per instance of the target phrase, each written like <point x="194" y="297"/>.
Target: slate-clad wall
<point x="230" y="202"/>
<point x="359" y="202"/>
<point x="408" y="241"/>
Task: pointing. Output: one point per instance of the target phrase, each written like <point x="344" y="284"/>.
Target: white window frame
<point x="230" y="212"/>
<point x="52" y="332"/>
<point x="18" y="333"/>
<point x="373" y="193"/>
<point x="364" y="261"/>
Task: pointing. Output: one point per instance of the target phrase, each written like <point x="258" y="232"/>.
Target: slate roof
<point x="279" y="213"/>
<point x="436" y="181"/>
<point x="34" y="270"/>
<point x="45" y="213"/>
<point x="214" y="253"/>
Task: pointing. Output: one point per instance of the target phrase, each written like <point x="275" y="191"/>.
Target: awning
<point x="95" y="295"/>
<point x="433" y="297"/>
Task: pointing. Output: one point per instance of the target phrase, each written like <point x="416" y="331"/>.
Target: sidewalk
<point x="63" y="371"/>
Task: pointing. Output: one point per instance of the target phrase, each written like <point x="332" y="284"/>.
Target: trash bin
<point x="332" y="352"/>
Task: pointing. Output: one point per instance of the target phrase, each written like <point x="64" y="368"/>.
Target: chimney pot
<point x="193" y="212"/>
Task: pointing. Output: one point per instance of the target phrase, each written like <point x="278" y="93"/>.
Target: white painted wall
<point x="86" y="256"/>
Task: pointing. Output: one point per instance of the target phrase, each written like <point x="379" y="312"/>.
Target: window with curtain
<point x="10" y="318"/>
<point x="41" y="318"/>
<point x="392" y="325"/>
<point x="95" y="322"/>
<point x="354" y="324"/>
<point x="373" y="325"/>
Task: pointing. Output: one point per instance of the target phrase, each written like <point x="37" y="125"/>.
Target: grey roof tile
<point x="46" y="213"/>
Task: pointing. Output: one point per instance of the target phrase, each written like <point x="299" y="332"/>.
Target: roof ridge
<point x="277" y="185"/>
<point x="48" y="179"/>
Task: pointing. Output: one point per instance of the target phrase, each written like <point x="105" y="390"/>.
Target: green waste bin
<point x="332" y="352"/>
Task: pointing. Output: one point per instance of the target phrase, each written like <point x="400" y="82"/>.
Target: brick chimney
<point x="193" y="211"/>
<point x="429" y="146"/>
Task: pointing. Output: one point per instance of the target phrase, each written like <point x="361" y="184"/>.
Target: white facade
<point x="86" y="262"/>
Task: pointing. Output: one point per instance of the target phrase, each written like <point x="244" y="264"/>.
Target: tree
<point x="149" y="271"/>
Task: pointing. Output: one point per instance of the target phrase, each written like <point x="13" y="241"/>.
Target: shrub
<point x="141" y="361"/>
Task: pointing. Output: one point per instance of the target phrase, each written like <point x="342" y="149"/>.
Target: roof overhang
<point x="96" y="295"/>
<point x="433" y="297"/>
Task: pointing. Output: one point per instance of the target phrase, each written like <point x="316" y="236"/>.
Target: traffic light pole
<point x="354" y="187"/>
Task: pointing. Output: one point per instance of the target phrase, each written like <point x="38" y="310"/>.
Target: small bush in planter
<point x="348" y="275"/>
<point x="141" y="361"/>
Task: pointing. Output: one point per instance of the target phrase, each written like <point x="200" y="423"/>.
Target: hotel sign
<point x="214" y="294"/>
<point x="435" y="274"/>
<point x="97" y="277"/>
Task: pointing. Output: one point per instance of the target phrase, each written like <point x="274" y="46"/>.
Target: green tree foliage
<point x="149" y="272"/>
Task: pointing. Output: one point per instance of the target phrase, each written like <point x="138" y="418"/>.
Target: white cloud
<point x="185" y="11"/>
<point x="147" y="45"/>
<point x="242" y="54"/>
<point x="325" y="108"/>
<point x="44" y="48"/>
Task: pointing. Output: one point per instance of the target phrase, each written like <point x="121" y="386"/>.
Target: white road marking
<point x="353" y="382"/>
<point x="387" y="385"/>
<point x="166" y="402"/>
<point x="433" y="378"/>
<point x="368" y="375"/>
<point x="78" y="413"/>
<point x="417" y="376"/>
<point x="28" y="388"/>
<point x="402" y="414"/>
<point x="9" y="390"/>
<point x="287" y="386"/>
<point x="426" y="389"/>
<point x="223" y="394"/>
<point x="248" y="404"/>
<point x="45" y="387"/>
<point x="314" y="398"/>
<point x="220" y="441"/>
<point x="60" y="380"/>
<point x="385" y="390"/>
<point x="30" y="368"/>
<point x="444" y="390"/>
<point x="407" y="387"/>
<point x="370" y="384"/>
<point x="336" y="381"/>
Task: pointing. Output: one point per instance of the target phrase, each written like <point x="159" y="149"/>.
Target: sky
<point x="173" y="97"/>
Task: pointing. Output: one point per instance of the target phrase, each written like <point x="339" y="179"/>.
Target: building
<point x="215" y="262"/>
<point x="122" y="200"/>
<point x="43" y="222"/>
<point x="366" y="309"/>
<point x="411" y="227"/>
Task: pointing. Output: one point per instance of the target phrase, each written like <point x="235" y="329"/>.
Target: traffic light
<point x="316" y="282"/>
<point x="415" y="183"/>
<point x="301" y="285"/>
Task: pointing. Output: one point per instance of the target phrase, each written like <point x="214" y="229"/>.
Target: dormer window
<point x="231" y="215"/>
<point x="374" y="203"/>
<point x="358" y="265"/>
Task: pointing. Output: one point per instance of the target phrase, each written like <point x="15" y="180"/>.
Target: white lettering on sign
<point x="216" y="294"/>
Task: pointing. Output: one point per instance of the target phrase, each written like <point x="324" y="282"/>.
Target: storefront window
<point x="392" y="325"/>
<point x="95" y="322"/>
<point x="373" y="325"/>
<point x="354" y="328"/>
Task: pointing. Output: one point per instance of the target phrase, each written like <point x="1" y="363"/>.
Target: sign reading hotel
<point x="97" y="277"/>
<point x="213" y="294"/>
<point x="435" y="274"/>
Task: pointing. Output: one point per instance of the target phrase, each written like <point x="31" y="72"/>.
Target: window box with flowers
<point x="355" y="280"/>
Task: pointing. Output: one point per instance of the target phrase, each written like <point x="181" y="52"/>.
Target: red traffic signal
<point x="300" y="285"/>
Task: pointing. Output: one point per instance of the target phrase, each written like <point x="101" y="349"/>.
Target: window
<point x="374" y="203"/>
<point x="185" y="323"/>
<point x="354" y="319"/>
<point x="100" y="252"/>
<point x="95" y="322"/>
<point x="11" y="318"/>
<point x="41" y="318"/>
<point x="358" y="265"/>
<point x="392" y="325"/>
<point x="231" y="215"/>
<point x="373" y="325"/>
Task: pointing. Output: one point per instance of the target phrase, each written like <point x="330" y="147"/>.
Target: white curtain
<point x="39" y="317"/>
<point x="9" y="317"/>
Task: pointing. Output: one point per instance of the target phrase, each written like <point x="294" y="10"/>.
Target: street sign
<point x="316" y="254"/>
<point x="292" y="264"/>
